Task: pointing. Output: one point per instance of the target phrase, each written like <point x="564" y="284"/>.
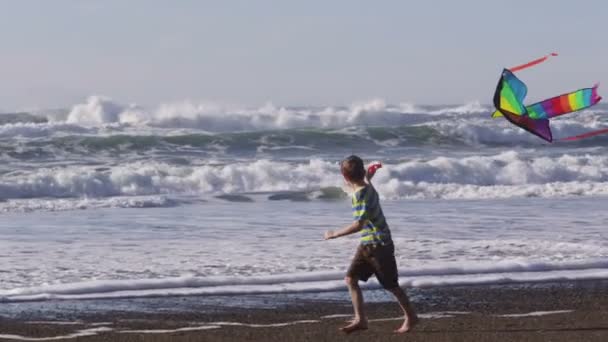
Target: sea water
<point x="104" y="200"/>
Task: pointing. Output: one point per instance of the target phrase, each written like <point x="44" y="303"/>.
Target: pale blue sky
<point x="313" y="52"/>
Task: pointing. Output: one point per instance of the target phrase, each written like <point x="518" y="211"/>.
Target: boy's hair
<point x="353" y="169"/>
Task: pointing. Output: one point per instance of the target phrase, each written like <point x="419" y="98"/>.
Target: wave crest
<point x="505" y="175"/>
<point x="101" y="110"/>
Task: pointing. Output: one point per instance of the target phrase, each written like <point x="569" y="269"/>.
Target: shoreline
<point x="564" y="311"/>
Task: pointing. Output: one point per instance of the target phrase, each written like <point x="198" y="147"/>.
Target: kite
<point x="511" y="92"/>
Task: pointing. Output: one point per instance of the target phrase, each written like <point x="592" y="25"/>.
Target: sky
<point x="314" y="52"/>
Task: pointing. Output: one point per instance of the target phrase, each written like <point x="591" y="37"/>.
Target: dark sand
<point x="475" y="317"/>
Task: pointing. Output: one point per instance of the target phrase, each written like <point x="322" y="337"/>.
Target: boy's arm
<point x="350" y="229"/>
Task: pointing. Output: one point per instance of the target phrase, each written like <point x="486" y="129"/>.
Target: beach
<point x="209" y="226"/>
<point x="561" y="311"/>
<point x="195" y="170"/>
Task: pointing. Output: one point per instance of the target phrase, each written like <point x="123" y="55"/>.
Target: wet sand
<point x="569" y="311"/>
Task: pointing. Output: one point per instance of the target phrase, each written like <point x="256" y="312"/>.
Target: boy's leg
<point x="385" y="267"/>
<point x="360" y="269"/>
<point x="410" y="316"/>
<point x="360" y="321"/>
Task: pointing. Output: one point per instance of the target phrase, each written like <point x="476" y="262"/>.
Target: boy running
<point x="375" y="254"/>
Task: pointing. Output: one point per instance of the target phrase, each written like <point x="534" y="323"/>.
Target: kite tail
<point x="594" y="95"/>
<point x="532" y="63"/>
<point x="564" y="104"/>
<point x="595" y="98"/>
<point x="585" y="135"/>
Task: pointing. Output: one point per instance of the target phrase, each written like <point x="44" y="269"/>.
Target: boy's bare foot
<point x="407" y="325"/>
<point x="354" y="326"/>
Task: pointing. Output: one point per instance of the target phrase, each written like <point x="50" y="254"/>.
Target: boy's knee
<point x="351" y="281"/>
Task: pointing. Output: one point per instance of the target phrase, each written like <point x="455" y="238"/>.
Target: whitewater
<point x="111" y="200"/>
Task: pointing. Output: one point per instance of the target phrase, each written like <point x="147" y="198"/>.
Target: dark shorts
<point x="378" y="260"/>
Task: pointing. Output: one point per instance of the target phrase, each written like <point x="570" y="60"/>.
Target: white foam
<point x="63" y="204"/>
<point x="537" y="313"/>
<point x="400" y="318"/>
<point x="100" y="110"/>
<point x="480" y="129"/>
<point x="53" y="255"/>
<point x="169" y="331"/>
<point x="148" y="178"/>
<point x="98" y="324"/>
<point x="508" y="174"/>
<point x="39" y="130"/>
<point x="508" y="278"/>
<point x="80" y="333"/>
<point x="56" y="322"/>
<point x="470" y="121"/>
<point x="336" y="316"/>
<point x="505" y="175"/>
<point x="267" y="325"/>
<point x="217" y="325"/>
<point x="474" y="107"/>
<point x="427" y="315"/>
<point x="307" y="282"/>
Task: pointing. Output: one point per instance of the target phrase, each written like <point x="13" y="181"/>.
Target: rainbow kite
<point x="534" y="118"/>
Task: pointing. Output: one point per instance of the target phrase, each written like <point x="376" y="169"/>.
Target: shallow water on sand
<point x="217" y="247"/>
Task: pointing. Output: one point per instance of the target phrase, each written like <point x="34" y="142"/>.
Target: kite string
<point x="532" y="63"/>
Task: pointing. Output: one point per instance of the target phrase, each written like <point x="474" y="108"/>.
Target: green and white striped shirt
<point x="366" y="207"/>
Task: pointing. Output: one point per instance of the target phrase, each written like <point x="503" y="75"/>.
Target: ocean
<point x="106" y="200"/>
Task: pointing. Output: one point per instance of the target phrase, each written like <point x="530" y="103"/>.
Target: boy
<point x="375" y="254"/>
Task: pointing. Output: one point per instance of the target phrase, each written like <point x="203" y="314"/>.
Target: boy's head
<point x="353" y="169"/>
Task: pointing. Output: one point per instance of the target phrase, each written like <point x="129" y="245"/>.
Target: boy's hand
<point x="371" y="170"/>
<point x="329" y="235"/>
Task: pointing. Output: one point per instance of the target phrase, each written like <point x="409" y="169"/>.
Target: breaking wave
<point x="101" y="123"/>
<point x="504" y="175"/>
<point x="102" y="149"/>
